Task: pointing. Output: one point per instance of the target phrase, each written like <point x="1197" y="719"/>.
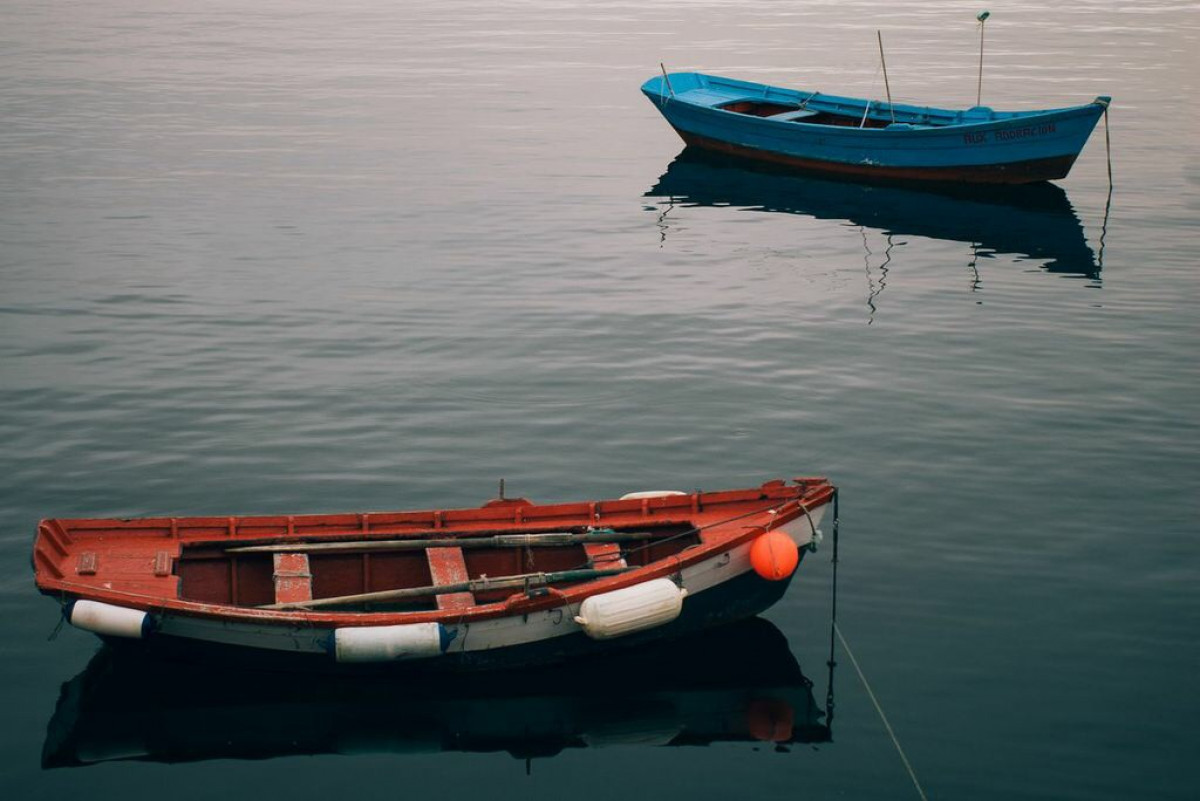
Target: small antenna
<point x="979" y="88"/>
<point x="501" y="489"/>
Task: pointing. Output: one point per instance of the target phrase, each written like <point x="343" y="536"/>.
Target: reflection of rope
<point x="1108" y="148"/>
<point x="872" y="291"/>
<point x="870" y="282"/>
<point x="832" y="663"/>
<point x="976" y="282"/>
<point x="662" y="222"/>
<point x="62" y="617"/>
<point x="1108" y="201"/>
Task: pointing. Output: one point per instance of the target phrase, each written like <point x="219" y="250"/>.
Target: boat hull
<point x="1017" y="172"/>
<point x="738" y="599"/>
<point x="721" y="590"/>
<point x="893" y="143"/>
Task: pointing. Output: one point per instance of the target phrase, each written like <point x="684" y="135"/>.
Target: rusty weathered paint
<point x="604" y="554"/>
<point x="447" y="566"/>
<point x="293" y="578"/>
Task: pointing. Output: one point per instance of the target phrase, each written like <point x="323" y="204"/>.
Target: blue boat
<point x="871" y="139"/>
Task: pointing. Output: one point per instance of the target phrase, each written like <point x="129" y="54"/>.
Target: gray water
<point x="303" y="257"/>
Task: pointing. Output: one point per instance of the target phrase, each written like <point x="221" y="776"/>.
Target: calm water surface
<point x="285" y="257"/>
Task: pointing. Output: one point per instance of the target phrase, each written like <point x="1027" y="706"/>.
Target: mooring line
<point x="907" y="766"/>
<point x="1108" y="200"/>
<point x="1108" y="148"/>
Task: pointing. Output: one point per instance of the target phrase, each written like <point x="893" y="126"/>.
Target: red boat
<point x="509" y="583"/>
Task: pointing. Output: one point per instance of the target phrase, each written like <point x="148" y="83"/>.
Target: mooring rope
<point x="1108" y="200"/>
<point x="835" y="629"/>
<point x="866" y="685"/>
<point x="832" y="663"/>
<point x="62" y="618"/>
<point x="1108" y="148"/>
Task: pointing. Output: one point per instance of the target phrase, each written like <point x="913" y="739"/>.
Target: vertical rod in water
<point x="979" y="86"/>
<point x="832" y="663"/>
<point x="886" y="85"/>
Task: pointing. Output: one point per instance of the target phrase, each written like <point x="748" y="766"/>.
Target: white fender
<point x="389" y="643"/>
<point x="113" y="621"/>
<point x="632" y="496"/>
<point x="621" y="612"/>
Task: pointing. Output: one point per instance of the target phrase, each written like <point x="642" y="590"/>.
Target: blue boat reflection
<point x="738" y="683"/>
<point x="1035" y="222"/>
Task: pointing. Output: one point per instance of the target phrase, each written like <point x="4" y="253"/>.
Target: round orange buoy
<point x="774" y="556"/>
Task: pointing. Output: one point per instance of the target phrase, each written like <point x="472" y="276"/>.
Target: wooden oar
<point x="552" y="539"/>
<point x="474" y="585"/>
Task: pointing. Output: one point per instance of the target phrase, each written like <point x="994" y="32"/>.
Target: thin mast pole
<point x="979" y="87"/>
<point x="888" y="86"/>
<point x="666" y="78"/>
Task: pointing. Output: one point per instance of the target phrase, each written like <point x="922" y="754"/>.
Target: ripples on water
<point x="289" y="258"/>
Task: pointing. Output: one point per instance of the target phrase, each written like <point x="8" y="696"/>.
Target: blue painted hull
<point x="858" y="138"/>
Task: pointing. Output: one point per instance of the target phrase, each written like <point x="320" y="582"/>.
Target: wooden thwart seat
<point x="793" y="116"/>
<point x="603" y="555"/>
<point x="293" y="579"/>
<point x="447" y="566"/>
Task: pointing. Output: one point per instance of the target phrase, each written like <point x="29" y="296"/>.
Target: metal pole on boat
<point x="979" y="87"/>
<point x="886" y="85"/>
<point x="662" y="67"/>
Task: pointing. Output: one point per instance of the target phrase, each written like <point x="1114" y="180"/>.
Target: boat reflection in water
<point x="738" y="683"/>
<point x="1035" y="222"/>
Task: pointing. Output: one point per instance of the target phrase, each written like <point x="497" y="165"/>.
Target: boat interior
<point x="798" y="112"/>
<point x="212" y="572"/>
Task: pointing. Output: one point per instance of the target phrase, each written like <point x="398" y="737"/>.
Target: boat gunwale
<point x="819" y="101"/>
<point x="459" y="519"/>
